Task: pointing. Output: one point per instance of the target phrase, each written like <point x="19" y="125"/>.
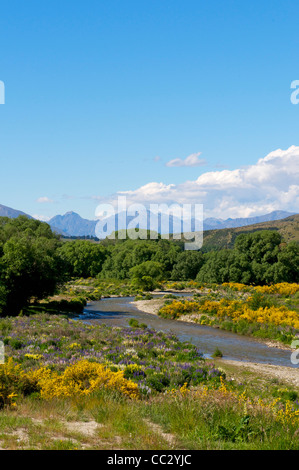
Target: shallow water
<point x="117" y="311"/>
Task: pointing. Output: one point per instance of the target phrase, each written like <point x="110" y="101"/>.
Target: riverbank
<point x="149" y="306"/>
<point x="78" y="405"/>
<point x="276" y="374"/>
<point x="153" y="306"/>
<point x="283" y="374"/>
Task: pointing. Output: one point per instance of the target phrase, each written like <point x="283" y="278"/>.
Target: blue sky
<point x="101" y="95"/>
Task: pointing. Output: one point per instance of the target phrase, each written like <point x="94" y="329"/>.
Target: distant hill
<point x="218" y="233"/>
<point x="225" y="238"/>
<point x="72" y="224"/>
<point x="211" y="223"/>
<point x="11" y="213"/>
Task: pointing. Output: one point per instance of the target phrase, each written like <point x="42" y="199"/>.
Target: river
<point x="117" y="311"/>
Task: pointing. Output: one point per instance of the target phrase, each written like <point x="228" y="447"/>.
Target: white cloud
<point x="192" y="160"/>
<point x="44" y="200"/>
<point x="149" y="192"/>
<point x="43" y="218"/>
<point x="268" y="185"/>
<point x="221" y="179"/>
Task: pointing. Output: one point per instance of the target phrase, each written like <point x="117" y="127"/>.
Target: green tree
<point x="187" y="265"/>
<point x="145" y="283"/>
<point x="152" y="269"/>
<point x="216" y="267"/>
<point x="124" y="255"/>
<point x="260" y="251"/>
<point x="31" y="268"/>
<point x="257" y="258"/>
<point x="118" y="261"/>
<point x="287" y="268"/>
<point x="167" y="253"/>
<point x="83" y="258"/>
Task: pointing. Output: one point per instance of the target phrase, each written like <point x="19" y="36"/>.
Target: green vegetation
<point x="82" y="258"/>
<point x="218" y="239"/>
<point x="264" y="312"/>
<point x="258" y="258"/>
<point x="217" y="353"/>
<point x="30" y="266"/>
<point x="180" y="400"/>
<point x="70" y="385"/>
<point x="35" y="263"/>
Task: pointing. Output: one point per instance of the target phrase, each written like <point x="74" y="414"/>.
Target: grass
<point x="217" y="353"/>
<point x="216" y="421"/>
<point x="185" y="402"/>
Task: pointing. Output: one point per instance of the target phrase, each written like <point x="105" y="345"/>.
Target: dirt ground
<point x="283" y="374"/>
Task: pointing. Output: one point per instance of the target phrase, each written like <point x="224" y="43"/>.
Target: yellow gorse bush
<point x="9" y="378"/>
<point x="82" y="378"/>
<point x="177" y="308"/>
<point x="282" y="288"/>
<point x="279" y="316"/>
<point x="33" y="356"/>
<point x="234" y="309"/>
<point x="236" y="286"/>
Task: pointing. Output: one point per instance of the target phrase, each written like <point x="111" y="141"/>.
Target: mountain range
<point x="11" y="213"/>
<point x="72" y="224"/>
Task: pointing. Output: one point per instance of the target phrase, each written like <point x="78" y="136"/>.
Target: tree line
<point x="34" y="261"/>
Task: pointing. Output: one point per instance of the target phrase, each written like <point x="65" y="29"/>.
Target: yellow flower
<point x="184" y="390"/>
<point x="33" y="356"/>
<point x="74" y="346"/>
<point x="82" y="378"/>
